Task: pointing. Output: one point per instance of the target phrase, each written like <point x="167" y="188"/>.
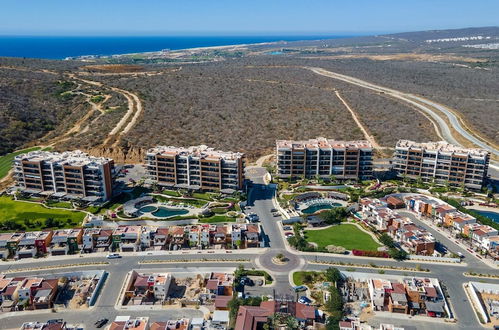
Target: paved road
<point x="260" y="202"/>
<point x="434" y="110"/>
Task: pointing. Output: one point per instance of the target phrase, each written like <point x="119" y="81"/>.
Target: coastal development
<point x="71" y="174"/>
<point x="311" y="184"/>
<point x="257" y="248"/>
<point x="441" y="162"/>
<point x="324" y="158"/>
<point x="197" y="168"/>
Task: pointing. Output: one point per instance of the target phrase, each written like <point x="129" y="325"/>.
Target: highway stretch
<point x="260" y="201"/>
<point x="439" y="113"/>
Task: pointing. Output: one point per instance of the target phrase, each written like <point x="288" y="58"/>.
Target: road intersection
<point x="260" y="201"/>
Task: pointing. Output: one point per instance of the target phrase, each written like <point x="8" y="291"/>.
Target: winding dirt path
<point x="367" y="136"/>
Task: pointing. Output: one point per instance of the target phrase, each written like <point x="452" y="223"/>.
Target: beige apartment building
<point x="442" y="163"/>
<point x="324" y="158"/>
<point x="71" y="174"/>
<point x="196" y="168"/>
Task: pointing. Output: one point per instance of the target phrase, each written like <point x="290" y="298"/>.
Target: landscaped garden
<point x="19" y="215"/>
<point x="346" y="235"/>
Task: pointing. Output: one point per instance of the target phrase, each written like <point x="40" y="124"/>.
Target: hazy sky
<point x="232" y="17"/>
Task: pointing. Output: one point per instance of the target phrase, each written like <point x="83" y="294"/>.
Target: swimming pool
<point x="318" y="207"/>
<point x="147" y="209"/>
<point x="164" y="212"/>
<point x="489" y="214"/>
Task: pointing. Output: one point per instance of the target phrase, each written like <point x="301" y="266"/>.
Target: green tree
<point x="335" y="301"/>
<point x="334" y="216"/>
<point x="397" y="254"/>
<point x="332" y="275"/>
<point x="386" y="240"/>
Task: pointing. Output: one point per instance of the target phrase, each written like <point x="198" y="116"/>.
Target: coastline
<point x="183" y="50"/>
<point x="194" y="50"/>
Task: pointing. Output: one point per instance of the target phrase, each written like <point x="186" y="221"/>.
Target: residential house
<point x="458" y="220"/>
<point x="90" y="236"/>
<point x="252" y="235"/>
<point x="66" y="241"/>
<point x="479" y="234"/>
<point x="104" y="240"/>
<point x="220" y="284"/>
<point x="193" y="234"/>
<point x="44" y="295"/>
<point x="254" y="317"/>
<point x="127" y="323"/>
<point x="160" y="238"/>
<point x="180" y="324"/>
<point x="26" y="247"/>
<point x="177" y="240"/>
<point x="126" y="238"/>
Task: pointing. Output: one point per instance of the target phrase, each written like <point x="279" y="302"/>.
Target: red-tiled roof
<point x="305" y="312"/>
<point x="222" y="301"/>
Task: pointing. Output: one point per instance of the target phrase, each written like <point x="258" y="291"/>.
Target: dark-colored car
<point x="100" y="323"/>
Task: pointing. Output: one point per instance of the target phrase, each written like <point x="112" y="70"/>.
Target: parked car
<point x="276" y="214"/>
<point x="247" y="281"/>
<point x="304" y="300"/>
<point x="273" y="210"/>
<point x="113" y="256"/>
<point x="100" y="323"/>
<point x="287" y="228"/>
<point x="300" y="288"/>
<point x="252" y="217"/>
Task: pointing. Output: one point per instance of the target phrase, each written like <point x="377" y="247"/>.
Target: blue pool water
<point x="489" y="214"/>
<point x="164" y="212"/>
<point x="319" y="207"/>
<point x="147" y="209"/>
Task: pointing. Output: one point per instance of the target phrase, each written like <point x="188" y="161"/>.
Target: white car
<point x="113" y="256"/>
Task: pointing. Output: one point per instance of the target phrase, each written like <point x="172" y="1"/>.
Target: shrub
<point x="375" y="254"/>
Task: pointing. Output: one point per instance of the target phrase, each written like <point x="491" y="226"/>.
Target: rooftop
<point x="201" y="151"/>
<point x="441" y="146"/>
<point x="71" y="158"/>
<point x="323" y="143"/>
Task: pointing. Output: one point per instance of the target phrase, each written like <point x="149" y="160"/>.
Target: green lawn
<point x="298" y="277"/>
<point x="217" y="218"/>
<point x="6" y="160"/>
<point x="346" y="235"/>
<point x="34" y="216"/>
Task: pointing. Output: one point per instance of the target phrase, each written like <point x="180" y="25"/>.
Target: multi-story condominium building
<point x="442" y="163"/>
<point x="324" y="158"/>
<point x="72" y="174"/>
<point x="196" y="168"/>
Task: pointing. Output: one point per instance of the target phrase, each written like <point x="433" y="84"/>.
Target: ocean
<point x="62" y="47"/>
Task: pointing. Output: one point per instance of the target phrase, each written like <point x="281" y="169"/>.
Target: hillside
<point x="246" y="102"/>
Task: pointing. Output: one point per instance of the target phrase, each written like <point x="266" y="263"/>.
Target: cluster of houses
<point x="381" y="214"/>
<point x="256" y="317"/>
<point x="415" y="296"/>
<point x="27" y="293"/>
<point x="21" y="245"/>
<point x="483" y="237"/>
<point x="156" y="288"/>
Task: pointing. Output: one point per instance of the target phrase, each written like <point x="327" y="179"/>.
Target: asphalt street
<point x="260" y="201"/>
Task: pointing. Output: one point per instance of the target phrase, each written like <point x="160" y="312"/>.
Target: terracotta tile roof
<point x="305" y="312"/>
<point x="222" y="301"/>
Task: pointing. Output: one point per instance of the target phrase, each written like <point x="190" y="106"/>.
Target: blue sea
<point x="62" y="47"/>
